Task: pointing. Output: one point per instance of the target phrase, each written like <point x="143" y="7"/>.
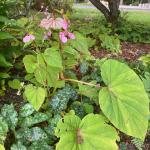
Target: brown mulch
<point x="129" y="51"/>
<point x="11" y="97"/>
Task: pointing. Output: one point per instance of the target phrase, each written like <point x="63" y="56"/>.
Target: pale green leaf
<point x="30" y="63"/>
<point x="124" y="100"/>
<point x="2" y="147"/>
<point x="53" y="58"/>
<point x="35" y="95"/>
<point x="14" y="84"/>
<point x="92" y="133"/>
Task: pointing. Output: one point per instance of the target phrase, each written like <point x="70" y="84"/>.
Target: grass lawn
<point x="134" y="16"/>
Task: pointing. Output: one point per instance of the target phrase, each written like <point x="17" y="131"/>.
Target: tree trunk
<point x="111" y="13"/>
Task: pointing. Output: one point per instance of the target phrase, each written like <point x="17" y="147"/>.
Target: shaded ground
<point x="130" y="52"/>
<point x="11" y="97"/>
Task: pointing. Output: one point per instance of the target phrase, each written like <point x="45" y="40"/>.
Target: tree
<point x="111" y="13"/>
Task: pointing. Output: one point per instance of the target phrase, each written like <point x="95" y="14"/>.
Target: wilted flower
<point x="65" y="35"/>
<point x="28" y="38"/>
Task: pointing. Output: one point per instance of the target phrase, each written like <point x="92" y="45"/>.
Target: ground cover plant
<point x="56" y="93"/>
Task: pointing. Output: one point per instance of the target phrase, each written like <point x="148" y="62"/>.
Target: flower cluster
<point x="58" y="23"/>
<point x="52" y="23"/>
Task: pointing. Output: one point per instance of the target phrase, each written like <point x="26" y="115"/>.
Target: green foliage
<point x="78" y="109"/>
<point x="4" y="62"/>
<point x="146" y="81"/>
<point x="18" y="146"/>
<point x="14" y="84"/>
<point x="136" y="32"/>
<point x="145" y="59"/>
<point x="80" y="44"/>
<point x="91" y="131"/>
<point x="26" y="110"/>
<point x="35" y="95"/>
<point x="111" y="43"/>
<point x="31" y="135"/>
<point x="33" y="120"/>
<point x="3" y="130"/>
<point x="91" y="92"/>
<point x="10" y="115"/>
<point x="138" y="143"/>
<point x="60" y="100"/>
<point x="124" y="93"/>
<point x="45" y="67"/>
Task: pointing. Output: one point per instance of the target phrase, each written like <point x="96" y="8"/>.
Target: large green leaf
<point x="35" y="95"/>
<point x="124" y="100"/>
<point x="46" y="74"/>
<point x="53" y="58"/>
<point x="30" y="63"/>
<point x="92" y="133"/>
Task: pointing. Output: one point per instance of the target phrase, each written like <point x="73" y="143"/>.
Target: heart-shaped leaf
<point x="53" y="58"/>
<point x="92" y="133"/>
<point x="35" y="95"/>
<point x="30" y="63"/>
<point x="124" y="100"/>
<point x="14" y="84"/>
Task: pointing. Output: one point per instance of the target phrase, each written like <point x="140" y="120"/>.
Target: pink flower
<point x="65" y="24"/>
<point x="71" y="35"/>
<point x="65" y="35"/>
<point x="28" y="38"/>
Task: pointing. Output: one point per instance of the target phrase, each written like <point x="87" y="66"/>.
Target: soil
<point x="129" y="52"/>
<point x="11" y="97"/>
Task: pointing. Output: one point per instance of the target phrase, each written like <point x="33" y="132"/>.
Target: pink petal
<point x="71" y="35"/>
<point x="62" y="37"/>
<point x="26" y="39"/>
<point x="65" y="24"/>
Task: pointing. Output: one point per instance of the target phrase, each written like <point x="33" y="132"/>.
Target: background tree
<point x="111" y="13"/>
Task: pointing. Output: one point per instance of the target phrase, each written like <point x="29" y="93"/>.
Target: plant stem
<point x="82" y="82"/>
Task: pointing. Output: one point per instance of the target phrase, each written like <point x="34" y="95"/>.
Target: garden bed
<point x="129" y="51"/>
